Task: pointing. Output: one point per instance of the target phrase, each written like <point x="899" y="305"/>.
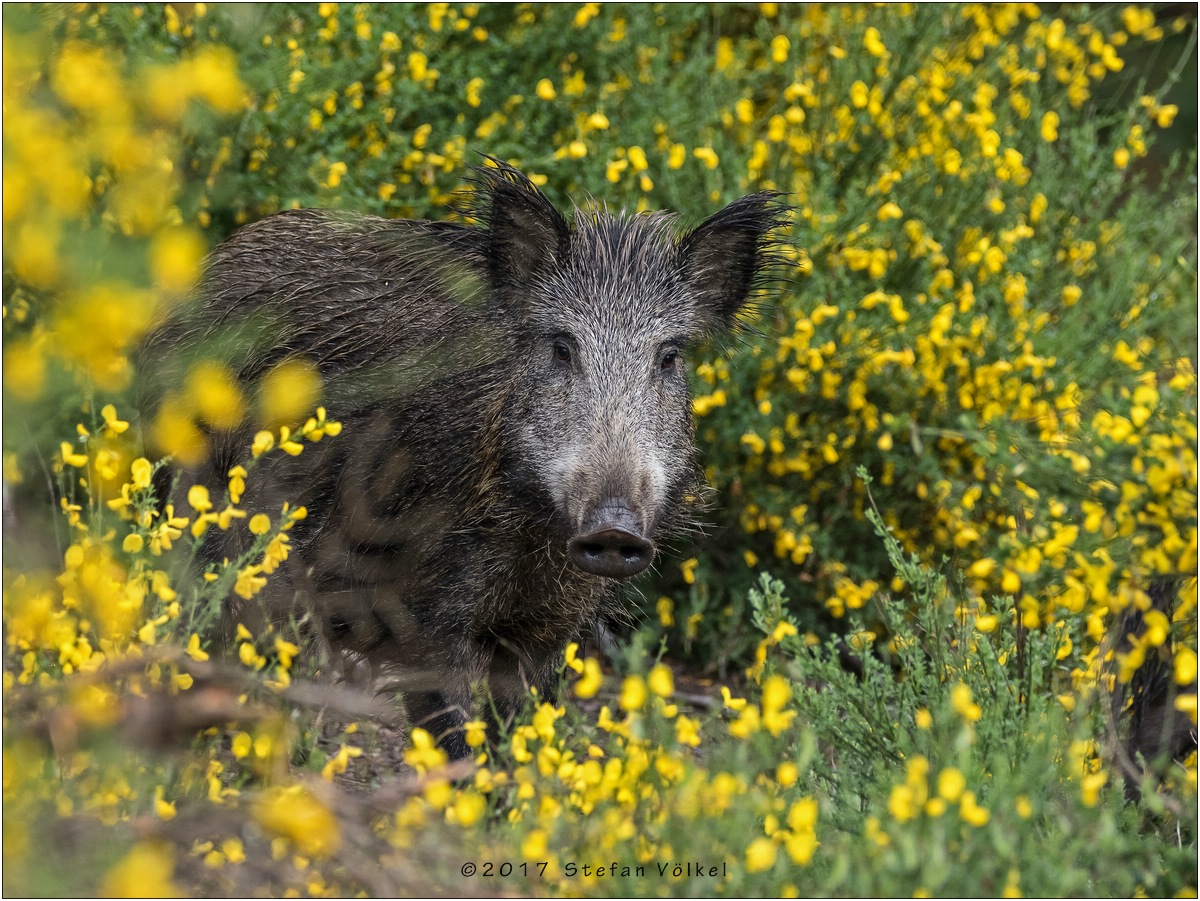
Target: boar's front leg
<point x="510" y="677"/>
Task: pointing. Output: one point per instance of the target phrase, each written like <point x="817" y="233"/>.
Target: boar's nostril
<point x="614" y="553"/>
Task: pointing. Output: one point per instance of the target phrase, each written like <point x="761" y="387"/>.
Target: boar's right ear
<point x="730" y="256"/>
<point x="525" y="233"/>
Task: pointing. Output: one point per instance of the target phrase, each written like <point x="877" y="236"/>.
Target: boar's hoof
<point x="614" y="553"/>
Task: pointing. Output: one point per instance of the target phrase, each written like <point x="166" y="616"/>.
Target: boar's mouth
<point x="611" y="544"/>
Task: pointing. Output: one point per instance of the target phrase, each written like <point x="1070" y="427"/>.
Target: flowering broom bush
<point x="960" y="436"/>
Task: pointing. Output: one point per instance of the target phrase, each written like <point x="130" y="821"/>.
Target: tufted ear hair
<point x="526" y="235"/>
<point x="730" y="256"/>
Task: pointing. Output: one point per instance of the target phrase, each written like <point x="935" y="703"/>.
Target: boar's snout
<point x="611" y="544"/>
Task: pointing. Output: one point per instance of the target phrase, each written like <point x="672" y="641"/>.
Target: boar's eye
<point x="669" y="361"/>
<point x="562" y="353"/>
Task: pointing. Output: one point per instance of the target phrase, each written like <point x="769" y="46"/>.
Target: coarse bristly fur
<point x="513" y="398"/>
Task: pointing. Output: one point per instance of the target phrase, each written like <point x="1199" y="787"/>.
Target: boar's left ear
<point x="730" y="256"/>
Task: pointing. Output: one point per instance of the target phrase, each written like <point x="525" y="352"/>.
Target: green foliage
<point x="995" y="770"/>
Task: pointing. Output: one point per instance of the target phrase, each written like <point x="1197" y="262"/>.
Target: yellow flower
<point x="591" y="680"/>
<point x="1186" y="704"/>
<point x="755" y="442"/>
<point x="518" y="746"/>
<point x="317" y="427"/>
<point x="950" y="784"/>
<point x="476" y="733"/>
<point x="237" y="483"/>
<point x="783" y="629"/>
<point x="145" y="872"/>
<point x="1185" y="665"/>
<point x="214" y="393"/>
<point x="875" y="834"/>
<point x="1050" y="126"/>
<point x="747" y="723"/>
<point x="112" y="425"/>
<point x="661" y="680"/>
<point x="193" y="649"/>
<point x="70" y="458"/>
<point x="707" y="156"/>
<point x="474" y="86"/>
<point x="263" y="442"/>
<point x="287" y="392"/>
<point x="543" y="721"/>
<point x="687" y="731"/>
<point x="467" y="809"/>
<point x="571" y="659"/>
<point x="666" y="609"/>
<point x="688" y="568"/>
<point x="586" y="13"/>
<point x="534" y="846"/>
<point x="418" y="65"/>
<point x="25" y="366"/>
<point x="163" y="809"/>
<point x="889" y="211"/>
<point x="439" y="794"/>
<point x="198" y="497"/>
<point x="1037" y="207"/>
<point x="287" y="445"/>
<point x="963" y="703"/>
<point x="614" y="169"/>
<point x="175" y="257"/>
<point x="633" y="693"/>
<point x="802" y="816"/>
<point x="167" y="531"/>
<point x="277" y="552"/>
<point x="987" y="623"/>
<point x="777" y="691"/>
<point x="760" y="855"/>
<point x="801" y="846"/>
<point x="780" y="46"/>
<point x="423" y="754"/>
<point x="339" y="763"/>
<point x="141" y="470"/>
<point x="901" y="803"/>
<point x="294" y="813"/>
<point x="242" y="745"/>
<point x="248" y="654"/>
<point x="725" y="54"/>
<point x="731" y="702"/>
<point x="286" y="651"/>
<point x="972" y="812"/>
<point x="249" y="582"/>
<point x="233" y="850"/>
<point x="1012" y="884"/>
<point x="226" y="517"/>
<point x="1010" y="582"/>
